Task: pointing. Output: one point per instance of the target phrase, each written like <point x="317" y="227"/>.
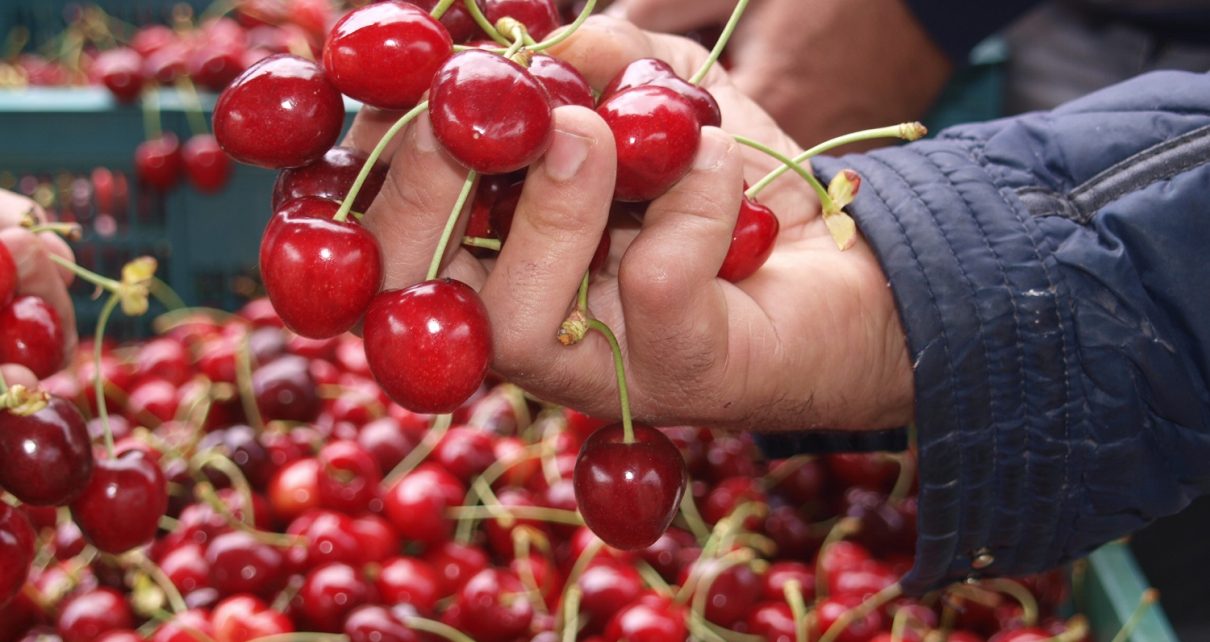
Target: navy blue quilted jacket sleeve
<point x="1052" y="272"/>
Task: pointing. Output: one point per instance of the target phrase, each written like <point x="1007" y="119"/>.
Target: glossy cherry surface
<point x="348" y="477"/>
<point x="243" y="617"/>
<point x="489" y="113"/>
<point x="385" y="54"/>
<point x="8" y="276"/>
<point x="330" y="178"/>
<point x="428" y="345"/>
<point x="752" y="241"/>
<point x="88" y="615"/>
<point x="239" y="563"/>
<point x="407" y="580"/>
<point x="629" y="493"/>
<point x="207" y="167"/>
<point x="657" y="134"/>
<point x="831" y="609"/>
<point x="121" y="71"/>
<point x="329" y="593"/>
<point x="122" y="504"/>
<point x="650" y="620"/>
<point x="319" y="273"/>
<point x="46" y="455"/>
<point x="416" y="504"/>
<point x="540" y="17"/>
<point x="657" y="73"/>
<point x="285" y="390"/>
<point x="374" y="623"/>
<point x="562" y="82"/>
<point x="493" y="606"/>
<point x="31" y="335"/>
<point x="16" y="550"/>
<point x="158" y="161"/>
<point x="281" y="112"/>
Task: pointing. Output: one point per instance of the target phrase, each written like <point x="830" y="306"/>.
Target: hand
<point x="37" y="275"/>
<point x="820" y="67"/>
<point x="812" y="339"/>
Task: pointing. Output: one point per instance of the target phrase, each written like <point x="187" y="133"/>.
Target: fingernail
<point x="566" y="154"/>
<point x="426" y="141"/>
<point x="712" y="152"/>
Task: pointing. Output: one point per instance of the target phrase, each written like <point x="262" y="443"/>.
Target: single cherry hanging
<point x="122" y="504"/>
<point x="45" y="449"/>
<point x="657" y="133"/>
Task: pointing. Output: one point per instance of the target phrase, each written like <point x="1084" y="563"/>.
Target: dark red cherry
<point x="8" y="276"/>
<point x="241" y="618"/>
<point x="428" y="345"/>
<point x="407" y="580"/>
<point x="168" y="63"/>
<point x="16" y="549"/>
<point x="562" y="82"/>
<point x="385" y="54"/>
<point x="628" y="493"/>
<point x="455" y="563"/>
<point x="330" y="178"/>
<point x="185" y="566"/>
<point x="416" y="504"/>
<point x="465" y="451"/>
<point x="606" y="587"/>
<point x="240" y="563"/>
<point x="31" y="335"/>
<point x="281" y="112"/>
<point x="47" y="454"/>
<point x="206" y="165"/>
<point x="831" y="609"/>
<point x="329" y="593"/>
<point x="373" y="623"/>
<point x="88" y="615"/>
<point x="493" y="606"/>
<point x="348" y="477"/>
<point x="656" y="72"/>
<point x="751" y="242"/>
<point x="773" y="621"/>
<point x="184" y="626"/>
<point x="456" y="19"/>
<point x="122" y="504"/>
<point x="657" y="135"/>
<point x="285" y="390"/>
<point x="489" y="113"/>
<point x="387" y="441"/>
<point x="651" y="620"/>
<point x="158" y="161"/>
<point x="121" y="71"/>
<point x="540" y="17"/>
<point x="320" y="273"/>
<point x="214" y="66"/>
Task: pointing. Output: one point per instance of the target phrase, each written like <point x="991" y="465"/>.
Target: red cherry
<point x="31" y="335"/>
<point x="657" y="135"/>
<point x="91" y="614"/>
<point x="385" y="54"/>
<point x="295" y="488"/>
<point x="831" y="609"/>
<point x="456" y="19"/>
<point x="387" y="441"/>
<point x="168" y="63"/>
<point x="649" y="620"/>
<point x="320" y="273"/>
<point x="239" y="563"/>
<point x="152" y="38"/>
<point x="158" y="162"/>
<point x="540" y="17"/>
<point x="206" y="165"/>
<point x="606" y="587"/>
<point x="733" y="593"/>
<point x="781" y="572"/>
<point x="8" y="276"/>
<point x="186" y="567"/>
<point x="285" y="390"/>
<point x="348" y="477"/>
<point x="428" y="345"/>
<point x="562" y="82"/>
<point x="493" y="607"/>
<point x="489" y="113"/>
<point x="184" y="627"/>
<point x="464" y="451"/>
<point x="751" y="242"/>
<point x="214" y="65"/>
<point x="281" y="112"/>
<point x="629" y="493"/>
<point x="407" y="580"/>
<point x="329" y="593"/>
<point x="47" y="455"/>
<point x="375" y="623"/>
<point x="16" y="549"/>
<point x="875" y="471"/>
<point x="330" y="178"/>
<point x="773" y="621"/>
<point x="1023" y="634"/>
<point x="122" y="504"/>
<point x="241" y="618"/>
<point x="655" y="72"/>
<point x="416" y="504"/>
<point x="455" y="563"/>
<point x="121" y="71"/>
<point x="164" y="358"/>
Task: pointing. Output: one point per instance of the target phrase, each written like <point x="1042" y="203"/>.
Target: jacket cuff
<point x="980" y="300"/>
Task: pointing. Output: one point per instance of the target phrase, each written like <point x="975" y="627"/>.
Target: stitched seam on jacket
<point x="1064" y="348"/>
<point x="928" y="286"/>
<point x="1141" y="170"/>
<point x="970" y="284"/>
<point x="1018" y="351"/>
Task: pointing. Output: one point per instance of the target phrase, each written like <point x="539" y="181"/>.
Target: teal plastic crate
<point x="1112" y="588"/>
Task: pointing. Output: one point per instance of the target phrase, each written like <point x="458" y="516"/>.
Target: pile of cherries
<point x="297" y="497"/>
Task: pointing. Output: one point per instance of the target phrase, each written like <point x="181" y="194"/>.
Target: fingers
<point x="675" y="307"/>
<point x="410" y="212"/>
<point x="557" y="226"/>
<point x="603" y="45"/>
<point x="15" y="375"/>
<point x="37" y="275"/>
<point x="368" y="127"/>
<point x="672" y="15"/>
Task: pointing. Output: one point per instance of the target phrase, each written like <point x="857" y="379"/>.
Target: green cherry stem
<point x="821" y="192"/>
<point x="441" y="8"/>
<point x="105" y="283"/>
<point x="440" y="425"/>
<point x="721" y="44"/>
<point x="582" y="295"/>
<point x="152" y="128"/>
<point x="98" y="378"/>
<point x="905" y="131"/>
<point x="193" y="105"/>
<point x="3" y="386"/>
<point x="436" y="628"/>
<point x="157" y="575"/>
<point x="472" y="7"/>
<point x="861" y="610"/>
<point x="566" y="32"/>
<point x="451" y="223"/>
<point x="483" y="242"/>
<point x="346" y="206"/>
<point x="798" y="607"/>
<point x="623" y="393"/>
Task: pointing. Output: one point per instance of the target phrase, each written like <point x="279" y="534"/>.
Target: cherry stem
<point x="582" y="295"/>
<point x="105" y="283"/>
<point x="440" y="425"/>
<point x="144" y="563"/>
<point x="1029" y="604"/>
<point x="721" y="44"/>
<point x="69" y="231"/>
<point x="522" y="549"/>
<point x="618" y="366"/>
<point x="792" y="589"/>
<point x="489" y="475"/>
<point x="346" y="206"/>
<point x="566" y="32"/>
<point x="570" y="586"/>
<point x="472" y="7"/>
<point x="3" y="387"/>
<point x="98" y="379"/>
<point x="441" y="8"/>
<point x="436" y="628"/>
<point x="821" y="192"/>
<point x="193" y="106"/>
<point x="570" y="613"/>
<point x="903" y="482"/>
<point x="866" y="607"/>
<point x="450" y="223"/>
<point x="701" y="588"/>
<point x="243" y="382"/>
<point x="479" y="241"/>
<point x="693" y="517"/>
<point x="844" y="527"/>
<point x="152" y="128"/>
<point x="1148" y="598"/>
<point x="536" y="513"/>
<point x="905" y="131"/>
<point x="306" y="636"/>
